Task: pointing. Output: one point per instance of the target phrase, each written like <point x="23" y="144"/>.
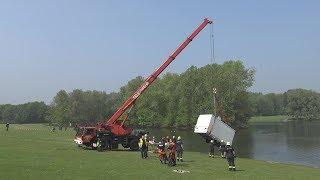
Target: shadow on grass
<point x="188" y="161"/>
<point x="85" y="148"/>
<point x="182" y="165"/>
<point x="240" y="170"/>
<point x="123" y="150"/>
<point x="106" y="150"/>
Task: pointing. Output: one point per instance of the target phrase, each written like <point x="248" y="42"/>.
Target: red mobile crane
<point x="107" y="135"/>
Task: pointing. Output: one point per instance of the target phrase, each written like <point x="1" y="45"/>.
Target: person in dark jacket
<point x="222" y="149"/>
<point x="230" y="156"/>
<point x="7" y="126"/>
<point x="211" y="148"/>
<point x="179" y="149"/>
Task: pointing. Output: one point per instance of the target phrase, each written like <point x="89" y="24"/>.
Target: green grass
<point x="277" y="118"/>
<point x="33" y="152"/>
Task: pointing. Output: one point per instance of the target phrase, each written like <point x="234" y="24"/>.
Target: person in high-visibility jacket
<point x="143" y="145"/>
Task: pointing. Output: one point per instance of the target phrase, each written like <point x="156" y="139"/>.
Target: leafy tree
<point x="177" y="100"/>
<point x="60" y="112"/>
<point x="303" y="104"/>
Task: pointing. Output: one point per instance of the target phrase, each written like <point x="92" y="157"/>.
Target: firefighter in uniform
<point x="140" y="146"/>
<point x="146" y="138"/>
<point x="162" y="152"/>
<point x="179" y="146"/>
<point x="211" y="148"/>
<point x="7" y="126"/>
<point x="230" y="155"/>
<point x="172" y="153"/>
<point x="222" y="149"/>
<point x="143" y="147"/>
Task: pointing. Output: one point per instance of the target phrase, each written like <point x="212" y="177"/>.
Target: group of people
<point x="169" y="150"/>
<point x="226" y="151"/>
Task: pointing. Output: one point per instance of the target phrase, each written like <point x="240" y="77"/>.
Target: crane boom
<point x="129" y="102"/>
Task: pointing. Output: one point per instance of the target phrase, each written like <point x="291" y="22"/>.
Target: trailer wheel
<point x="134" y="145"/>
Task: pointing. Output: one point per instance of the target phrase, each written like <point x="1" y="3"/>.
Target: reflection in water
<point x="290" y="142"/>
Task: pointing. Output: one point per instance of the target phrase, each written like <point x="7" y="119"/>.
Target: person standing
<point x="230" y="156"/>
<point x="174" y="139"/>
<point x="153" y="140"/>
<point x="167" y="139"/>
<point x="146" y="140"/>
<point x="222" y="149"/>
<point x="179" y="146"/>
<point x="172" y="153"/>
<point x="7" y="126"/>
<point x="161" y="151"/>
<point x="152" y="144"/>
<point x="166" y="144"/>
<point x="211" y="148"/>
<point x="142" y="146"/>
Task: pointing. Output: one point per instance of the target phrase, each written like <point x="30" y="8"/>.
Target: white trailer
<point x="211" y="127"/>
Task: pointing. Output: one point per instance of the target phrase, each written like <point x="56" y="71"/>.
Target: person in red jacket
<point x="172" y="153"/>
<point x="162" y="152"/>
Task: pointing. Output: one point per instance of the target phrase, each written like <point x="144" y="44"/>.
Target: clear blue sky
<point x="50" y="45"/>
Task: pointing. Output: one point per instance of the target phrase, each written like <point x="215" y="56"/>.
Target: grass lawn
<point x="33" y="152"/>
<point x="277" y="118"/>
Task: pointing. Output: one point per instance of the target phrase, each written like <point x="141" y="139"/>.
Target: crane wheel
<point x="134" y="145"/>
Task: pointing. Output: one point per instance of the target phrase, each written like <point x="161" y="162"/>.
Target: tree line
<point x="267" y="104"/>
<point x="173" y="100"/>
<point x="297" y="103"/>
<point x="32" y="112"/>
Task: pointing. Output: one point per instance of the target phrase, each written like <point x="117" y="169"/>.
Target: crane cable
<point x="211" y="39"/>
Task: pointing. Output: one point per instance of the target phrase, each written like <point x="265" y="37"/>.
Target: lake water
<point x="296" y="142"/>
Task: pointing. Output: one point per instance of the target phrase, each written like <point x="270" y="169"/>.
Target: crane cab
<point x="86" y="136"/>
